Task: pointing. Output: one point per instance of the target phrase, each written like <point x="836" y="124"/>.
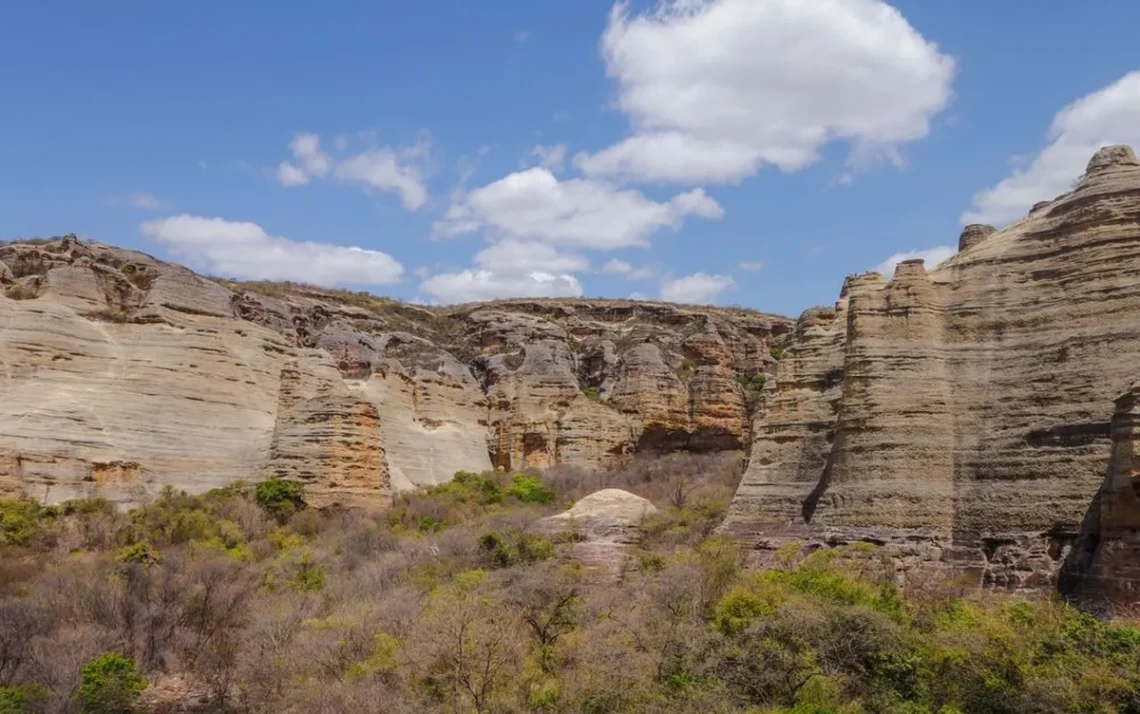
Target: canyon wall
<point x="963" y="417"/>
<point x="123" y="374"/>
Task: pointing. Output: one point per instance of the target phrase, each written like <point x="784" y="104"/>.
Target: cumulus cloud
<point x="511" y="268"/>
<point x="751" y="265"/>
<point x="386" y="170"/>
<point x="395" y="170"/>
<point x="698" y="288"/>
<point x="245" y="250"/>
<point x="476" y="285"/>
<point x="617" y="266"/>
<point x="584" y="213"/>
<point x="1110" y="115"/>
<point x="932" y="256"/>
<point x="527" y="257"/>
<point x="715" y="89"/>
<point x="311" y="161"/>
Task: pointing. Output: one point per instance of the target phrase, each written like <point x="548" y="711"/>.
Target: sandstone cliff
<point x="123" y="374"/>
<point x="962" y="416"/>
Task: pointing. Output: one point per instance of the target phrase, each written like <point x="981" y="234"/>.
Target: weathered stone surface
<point x="603" y="526"/>
<point x="961" y="413"/>
<point x="610" y="515"/>
<point x="123" y="374"/>
<point x="973" y="234"/>
<point x="660" y="377"/>
<point x="1103" y="569"/>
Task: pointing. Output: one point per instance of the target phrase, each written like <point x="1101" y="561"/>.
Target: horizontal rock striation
<point x="963" y="416"/>
<point x="123" y="374"/>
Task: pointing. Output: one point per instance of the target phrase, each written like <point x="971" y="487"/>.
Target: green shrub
<point x="754" y="384"/>
<point x="504" y="551"/>
<point x="24" y="699"/>
<point x="472" y="487"/>
<point x="280" y="498"/>
<point x="776" y="352"/>
<point x="21" y="521"/>
<point x="533" y="548"/>
<point x="308" y="577"/>
<point x="109" y="684"/>
<point x="529" y="489"/>
<point x="95" y="506"/>
<point x="499" y="552"/>
<point x="428" y="524"/>
<point x="141" y="554"/>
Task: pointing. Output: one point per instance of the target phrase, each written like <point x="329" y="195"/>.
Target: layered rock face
<point x="963" y="416"/>
<point x="123" y="374"/>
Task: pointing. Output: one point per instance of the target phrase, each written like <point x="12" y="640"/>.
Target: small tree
<point x="109" y="684"/>
<point x="25" y="699"/>
<point x="281" y="498"/>
<point x="529" y="489"/>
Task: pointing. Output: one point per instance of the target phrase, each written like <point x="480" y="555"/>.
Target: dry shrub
<point x="671" y="480"/>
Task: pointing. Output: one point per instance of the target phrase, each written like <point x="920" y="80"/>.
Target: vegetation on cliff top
<point x="246" y="600"/>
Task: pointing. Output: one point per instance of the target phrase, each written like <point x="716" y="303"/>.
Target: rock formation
<point x="122" y="374"/>
<point x="962" y="416"/>
<point x="602" y="526"/>
<point x="610" y="515"/>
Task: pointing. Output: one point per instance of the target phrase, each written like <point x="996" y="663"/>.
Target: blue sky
<point x="747" y="152"/>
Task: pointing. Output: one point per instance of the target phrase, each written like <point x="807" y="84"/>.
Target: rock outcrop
<point x="601" y="527"/>
<point x="610" y="515"/>
<point x="962" y="416"/>
<point x="123" y="374"/>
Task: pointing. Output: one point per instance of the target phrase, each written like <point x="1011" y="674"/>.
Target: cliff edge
<point x="123" y="374"/>
<point x="963" y="416"/>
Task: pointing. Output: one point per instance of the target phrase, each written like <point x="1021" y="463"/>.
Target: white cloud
<point x="549" y="157"/>
<point x="616" y="267"/>
<point x="289" y="175"/>
<point x="244" y="250"/>
<point x="751" y="265"/>
<point x="311" y="161"/>
<point x="139" y="199"/>
<point x="585" y="213"/>
<point x="477" y="285"/>
<point x="715" y="89"/>
<point x="932" y="256"/>
<point x="698" y="288"/>
<point x="1110" y="115"/>
<point x="514" y="256"/>
<point x="511" y="268"/>
<point x="385" y="170"/>
<point x="396" y="170"/>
